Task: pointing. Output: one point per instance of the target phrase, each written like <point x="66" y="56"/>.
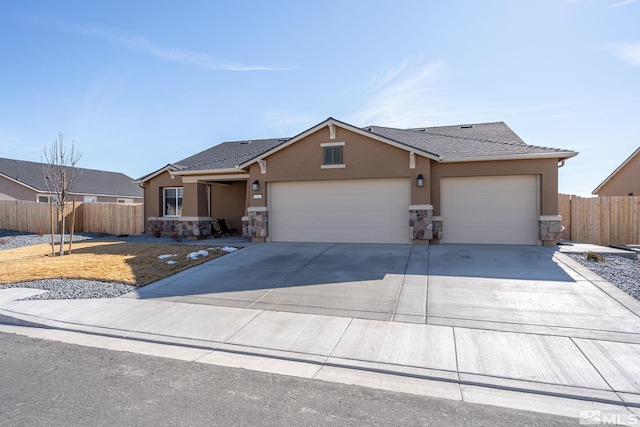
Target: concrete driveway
<point x="521" y="327"/>
<point x="507" y="288"/>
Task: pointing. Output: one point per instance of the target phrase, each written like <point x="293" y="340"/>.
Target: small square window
<point x="333" y="155"/>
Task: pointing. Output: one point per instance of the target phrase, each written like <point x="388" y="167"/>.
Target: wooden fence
<point x="109" y="218"/>
<point x="606" y="220"/>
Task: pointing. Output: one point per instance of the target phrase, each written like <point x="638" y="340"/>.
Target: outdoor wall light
<point x="420" y="181"/>
<point x="255" y="186"/>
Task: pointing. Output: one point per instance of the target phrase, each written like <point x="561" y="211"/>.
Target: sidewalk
<point x="543" y="372"/>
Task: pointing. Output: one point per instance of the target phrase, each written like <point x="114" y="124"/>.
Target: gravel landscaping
<point x="620" y="271"/>
<point x="72" y="288"/>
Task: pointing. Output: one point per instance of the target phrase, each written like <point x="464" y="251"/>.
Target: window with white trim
<point x="90" y="199"/>
<point x="172" y="201"/>
<point x="332" y="155"/>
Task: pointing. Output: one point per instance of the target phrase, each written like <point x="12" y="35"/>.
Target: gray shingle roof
<point x="228" y="155"/>
<point x="473" y="141"/>
<point x="91" y="181"/>
<point x="466" y="141"/>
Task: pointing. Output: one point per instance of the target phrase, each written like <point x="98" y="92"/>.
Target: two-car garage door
<point x="490" y="209"/>
<point x="480" y="210"/>
<point x="346" y="211"/>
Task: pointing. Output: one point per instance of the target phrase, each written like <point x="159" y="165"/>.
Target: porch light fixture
<point x="255" y="186"/>
<point x="420" y="181"/>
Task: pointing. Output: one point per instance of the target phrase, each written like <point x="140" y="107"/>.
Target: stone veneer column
<point x="258" y="222"/>
<point x="421" y="222"/>
<point x="550" y="227"/>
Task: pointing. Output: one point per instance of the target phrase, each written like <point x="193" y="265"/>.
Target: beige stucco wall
<point x="365" y="158"/>
<point x="153" y="193"/>
<point x="228" y="202"/>
<point x="16" y="191"/>
<point x="547" y="169"/>
<point x="626" y="181"/>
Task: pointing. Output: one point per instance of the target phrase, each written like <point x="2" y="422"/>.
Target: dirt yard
<point x="109" y="261"/>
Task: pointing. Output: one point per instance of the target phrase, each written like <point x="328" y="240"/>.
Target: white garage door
<point x="345" y="211"/>
<point x="490" y="210"/>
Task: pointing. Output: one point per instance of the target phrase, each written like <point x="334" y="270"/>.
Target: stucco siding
<point x="153" y="193"/>
<point x="16" y="191"/>
<point x="228" y="202"/>
<point x="363" y="157"/>
<point x="625" y="181"/>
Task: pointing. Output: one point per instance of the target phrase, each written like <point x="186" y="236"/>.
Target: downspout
<point x="561" y="163"/>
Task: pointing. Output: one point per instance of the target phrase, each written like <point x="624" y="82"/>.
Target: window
<point x="90" y="199"/>
<point x="333" y="155"/>
<point x="172" y="201"/>
<point x="46" y="199"/>
<point x="125" y="200"/>
<point x="332" y="152"/>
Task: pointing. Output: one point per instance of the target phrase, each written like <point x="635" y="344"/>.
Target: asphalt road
<point x="48" y="383"/>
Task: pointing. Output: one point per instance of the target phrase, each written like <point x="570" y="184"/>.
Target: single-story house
<point x="23" y="180"/>
<point x="335" y="182"/>
<point x="624" y="181"/>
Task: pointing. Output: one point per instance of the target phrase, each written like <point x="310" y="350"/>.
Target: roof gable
<point x="617" y="171"/>
<point x="91" y="181"/>
<point x="333" y="122"/>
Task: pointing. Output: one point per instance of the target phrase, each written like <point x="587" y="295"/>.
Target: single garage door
<point x="490" y="210"/>
<point x="344" y="211"/>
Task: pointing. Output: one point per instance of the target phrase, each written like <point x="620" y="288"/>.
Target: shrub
<point x="155" y="227"/>
<point x="592" y="256"/>
<point x="40" y="229"/>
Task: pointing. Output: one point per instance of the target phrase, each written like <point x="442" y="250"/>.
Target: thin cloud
<point x="626" y="52"/>
<point x="622" y="3"/>
<point x="403" y="95"/>
<point x="186" y="57"/>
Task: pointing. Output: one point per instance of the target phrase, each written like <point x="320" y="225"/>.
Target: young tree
<point x="60" y="175"/>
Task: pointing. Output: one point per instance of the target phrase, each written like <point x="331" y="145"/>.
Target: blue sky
<point x="139" y="84"/>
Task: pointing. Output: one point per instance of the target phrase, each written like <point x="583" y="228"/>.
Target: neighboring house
<point x="339" y="183"/>
<point x="23" y="180"/>
<point x="624" y="181"/>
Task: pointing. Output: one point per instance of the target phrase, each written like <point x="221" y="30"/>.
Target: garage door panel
<point x="491" y="210"/>
<point x="353" y="211"/>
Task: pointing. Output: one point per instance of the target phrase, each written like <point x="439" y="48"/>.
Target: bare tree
<point x="60" y="175"/>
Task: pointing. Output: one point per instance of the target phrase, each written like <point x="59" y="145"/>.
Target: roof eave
<point x="533" y="156"/>
<point x="205" y="171"/>
<point x="169" y="168"/>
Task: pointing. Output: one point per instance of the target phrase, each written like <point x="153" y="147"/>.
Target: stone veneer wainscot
<point x="189" y="227"/>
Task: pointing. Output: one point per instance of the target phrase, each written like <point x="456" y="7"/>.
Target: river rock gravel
<point x="620" y="271"/>
<point x="74" y="289"/>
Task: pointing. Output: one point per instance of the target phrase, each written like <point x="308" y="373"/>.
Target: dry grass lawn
<point x="109" y="261"/>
